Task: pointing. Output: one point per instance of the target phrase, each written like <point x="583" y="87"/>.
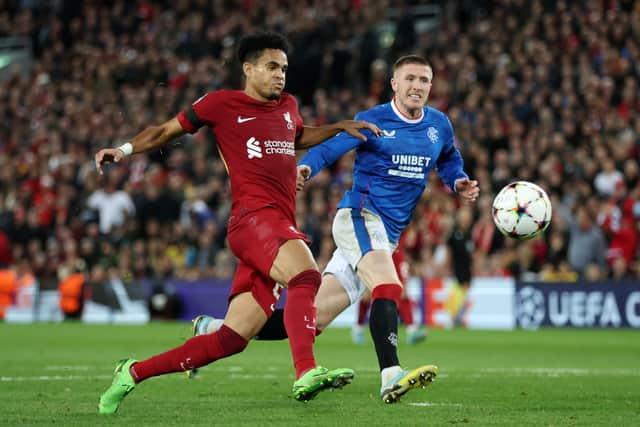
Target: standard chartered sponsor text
<point x="279" y="147"/>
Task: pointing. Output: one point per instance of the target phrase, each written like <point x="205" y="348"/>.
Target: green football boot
<point x="122" y="385"/>
<point x="318" y="379"/>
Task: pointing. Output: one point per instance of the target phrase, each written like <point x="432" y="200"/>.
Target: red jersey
<point x="256" y="141"/>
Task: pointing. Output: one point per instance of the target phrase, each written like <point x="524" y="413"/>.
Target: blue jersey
<point x="391" y="171"/>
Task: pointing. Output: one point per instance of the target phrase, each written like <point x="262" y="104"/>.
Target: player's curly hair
<point x="251" y="46"/>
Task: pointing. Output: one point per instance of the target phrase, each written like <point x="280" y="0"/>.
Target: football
<point x="521" y="210"/>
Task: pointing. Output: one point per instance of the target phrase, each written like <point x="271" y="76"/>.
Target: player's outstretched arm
<point x="149" y="139"/>
<point x="314" y="135"/>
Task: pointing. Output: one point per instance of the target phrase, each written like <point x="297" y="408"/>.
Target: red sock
<point x="405" y="310"/>
<point x="390" y="291"/>
<point x="300" y="319"/>
<point x="363" y="308"/>
<point x="195" y="352"/>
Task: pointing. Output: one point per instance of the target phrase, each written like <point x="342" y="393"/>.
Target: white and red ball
<point x="521" y="210"/>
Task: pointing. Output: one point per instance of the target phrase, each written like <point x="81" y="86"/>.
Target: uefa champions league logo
<point x="530" y="308"/>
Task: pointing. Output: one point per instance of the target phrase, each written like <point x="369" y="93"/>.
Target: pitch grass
<point x="54" y="374"/>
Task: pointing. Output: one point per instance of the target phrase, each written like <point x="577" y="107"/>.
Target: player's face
<point x="266" y="76"/>
<point x="411" y="84"/>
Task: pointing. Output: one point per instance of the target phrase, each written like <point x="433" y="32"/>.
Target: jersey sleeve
<point x="202" y="112"/>
<point x="325" y="154"/>
<point x="450" y="164"/>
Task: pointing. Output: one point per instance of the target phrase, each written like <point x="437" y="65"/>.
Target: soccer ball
<point x="521" y="210"/>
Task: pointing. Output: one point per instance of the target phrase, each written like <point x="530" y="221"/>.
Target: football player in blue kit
<point x="390" y="174"/>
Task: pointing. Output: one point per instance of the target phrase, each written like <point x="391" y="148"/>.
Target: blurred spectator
<point x="113" y="205"/>
<point x="558" y="272"/>
<point x="618" y="221"/>
<point x="608" y="178"/>
<point x="486" y="237"/>
<point x="5" y="250"/>
<point x="587" y="246"/>
<point x="594" y="272"/>
<point x="194" y="212"/>
<point x="461" y="246"/>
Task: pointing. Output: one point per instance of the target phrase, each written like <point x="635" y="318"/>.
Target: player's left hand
<point x="353" y="127"/>
<point x="467" y="189"/>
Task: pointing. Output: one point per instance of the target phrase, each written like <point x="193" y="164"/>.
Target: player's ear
<point x="247" y="67"/>
<point x="394" y="84"/>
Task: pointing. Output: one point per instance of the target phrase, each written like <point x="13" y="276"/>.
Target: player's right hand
<point x="107" y="155"/>
<point x="353" y="127"/>
<point x="467" y="189"/>
<point x="302" y="175"/>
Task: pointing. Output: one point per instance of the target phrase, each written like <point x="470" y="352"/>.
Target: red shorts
<point x="255" y="239"/>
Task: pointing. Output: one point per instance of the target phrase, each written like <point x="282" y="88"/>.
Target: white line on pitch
<point x="580" y="372"/>
<point x="70" y="368"/>
<point x="434" y="404"/>
<point x="251" y="376"/>
<point x="56" y="378"/>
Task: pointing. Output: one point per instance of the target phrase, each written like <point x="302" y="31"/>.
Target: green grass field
<point x="54" y="374"/>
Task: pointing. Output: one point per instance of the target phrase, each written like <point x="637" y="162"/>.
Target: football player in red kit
<point x="257" y="131"/>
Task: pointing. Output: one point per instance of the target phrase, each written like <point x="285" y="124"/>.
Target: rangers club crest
<point x="287" y="118"/>
<point x="432" y="134"/>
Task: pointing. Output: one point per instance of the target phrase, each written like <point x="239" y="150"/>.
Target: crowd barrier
<point x="505" y="303"/>
<point x="489" y="303"/>
<point x="578" y="305"/>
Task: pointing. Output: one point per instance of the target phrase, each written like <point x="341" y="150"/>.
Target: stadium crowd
<point x="545" y="91"/>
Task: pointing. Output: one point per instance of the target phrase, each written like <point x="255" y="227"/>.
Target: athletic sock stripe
<point x="390" y="291"/>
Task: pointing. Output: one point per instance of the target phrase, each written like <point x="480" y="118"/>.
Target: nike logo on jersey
<point x="245" y="119"/>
